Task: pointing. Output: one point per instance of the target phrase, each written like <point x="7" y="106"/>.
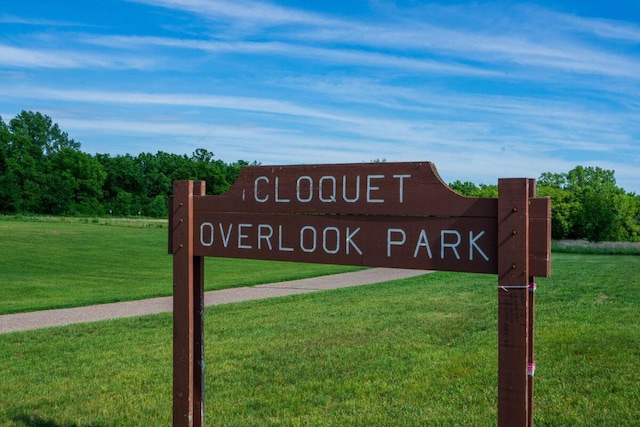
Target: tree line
<point x="586" y="204"/>
<point x="43" y="171"/>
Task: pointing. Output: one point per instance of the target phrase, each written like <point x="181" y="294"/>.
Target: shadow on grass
<point x="31" y="421"/>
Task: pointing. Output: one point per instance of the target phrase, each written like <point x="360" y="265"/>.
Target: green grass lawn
<point x="416" y="352"/>
<point x="55" y="264"/>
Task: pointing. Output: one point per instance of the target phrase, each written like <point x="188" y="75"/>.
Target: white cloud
<point x="604" y="28"/>
<point x="477" y="88"/>
<point x="545" y="43"/>
<point x="64" y="59"/>
<point x="11" y="19"/>
<point x="489" y="121"/>
<point x="323" y="55"/>
<point x="245" y="12"/>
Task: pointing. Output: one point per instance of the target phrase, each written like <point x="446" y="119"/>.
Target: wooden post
<point x="513" y="302"/>
<point x="531" y="364"/>
<point x="188" y="305"/>
<point x="199" y="189"/>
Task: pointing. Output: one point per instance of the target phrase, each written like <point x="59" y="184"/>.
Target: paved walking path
<point x="94" y="313"/>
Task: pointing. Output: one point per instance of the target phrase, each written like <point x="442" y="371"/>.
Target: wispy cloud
<point x="245" y="13"/>
<point x="604" y="28"/>
<point x="543" y="128"/>
<point x="11" y="19"/>
<point x="319" y="54"/>
<point x="477" y="87"/>
<point x="547" y="45"/>
<point x="11" y="56"/>
<point x="409" y="44"/>
<point x="270" y="106"/>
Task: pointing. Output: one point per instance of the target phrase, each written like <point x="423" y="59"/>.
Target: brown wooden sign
<point x="379" y="214"/>
<point x="404" y="242"/>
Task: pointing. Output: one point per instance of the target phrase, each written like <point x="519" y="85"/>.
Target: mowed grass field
<point x="415" y="352"/>
<point x="56" y="263"/>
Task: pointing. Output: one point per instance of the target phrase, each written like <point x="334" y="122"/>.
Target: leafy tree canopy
<point x="43" y="171"/>
<point x="586" y="204"/>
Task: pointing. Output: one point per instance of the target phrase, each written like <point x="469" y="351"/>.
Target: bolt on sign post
<point x="398" y="215"/>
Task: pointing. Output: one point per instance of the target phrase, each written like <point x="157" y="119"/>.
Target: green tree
<point x="598" y="217"/>
<point x="466" y="188"/>
<point x="206" y="168"/>
<point x="563" y="209"/>
<point x="124" y="185"/>
<point x="470" y="189"/>
<point x="44" y="136"/>
<point x="27" y="163"/>
<point x="78" y="178"/>
<point x="587" y="204"/>
<point x="9" y="188"/>
<point x="629" y="210"/>
<point x="43" y="171"/>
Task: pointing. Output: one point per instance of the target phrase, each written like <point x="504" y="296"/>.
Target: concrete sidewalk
<point x="67" y="316"/>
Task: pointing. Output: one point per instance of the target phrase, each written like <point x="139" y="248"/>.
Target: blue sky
<point x="482" y="89"/>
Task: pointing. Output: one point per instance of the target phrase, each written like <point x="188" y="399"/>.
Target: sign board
<point x="369" y="214"/>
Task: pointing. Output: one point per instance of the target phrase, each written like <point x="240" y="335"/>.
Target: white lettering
<point x="327" y="189"/>
<point x="344" y="189"/>
<point x="391" y="242"/>
<point x="313" y="239"/>
<point x="280" y="246"/>
<point x="225" y="239"/>
<point x="453" y="246"/>
<point x="422" y="241"/>
<point x="339" y="240"/>
<point x="278" y="199"/>
<point x="324" y="240"/>
<point x="349" y="240"/>
<point x="308" y="179"/>
<point x="202" y="228"/>
<point x="332" y="195"/>
<point x="241" y="236"/>
<point x="371" y="188"/>
<point x="401" y="178"/>
<point x="472" y="241"/>
<point x="264" y="236"/>
<point x="256" y="192"/>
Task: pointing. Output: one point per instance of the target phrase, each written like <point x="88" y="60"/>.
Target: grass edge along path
<point x="95" y="313"/>
<point x="414" y="352"/>
<point x="57" y="264"/>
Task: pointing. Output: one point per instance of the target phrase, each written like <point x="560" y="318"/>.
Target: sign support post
<point x="188" y="309"/>
<point x="513" y="302"/>
<point x="398" y="215"/>
<point x="531" y="364"/>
